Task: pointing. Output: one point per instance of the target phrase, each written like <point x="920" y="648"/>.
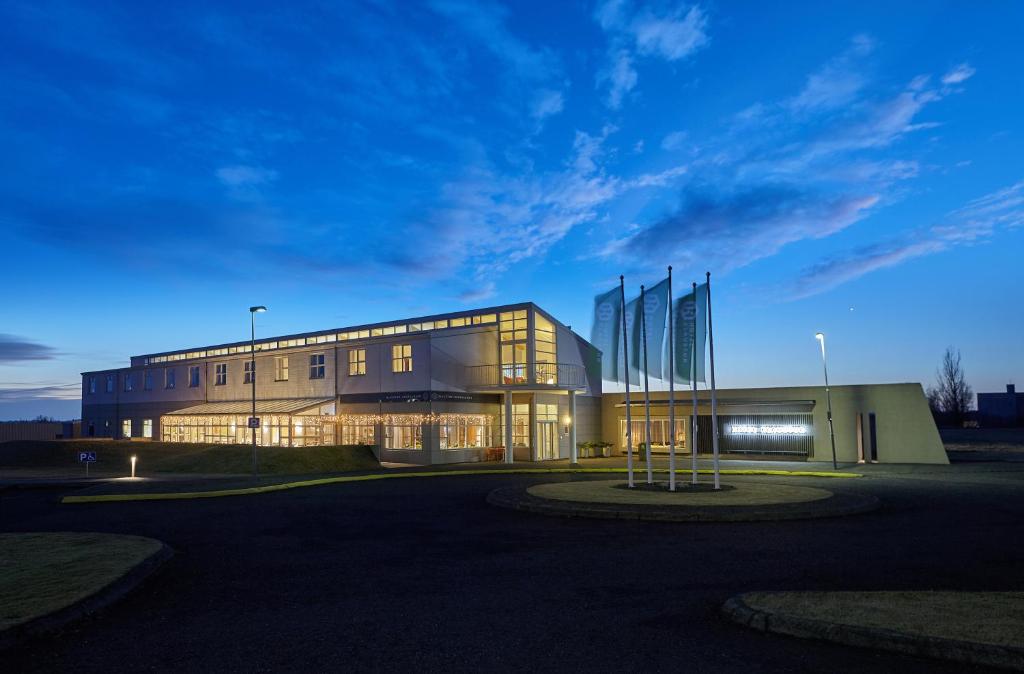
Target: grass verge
<point x="41" y="573"/>
<point x="112" y="458"/>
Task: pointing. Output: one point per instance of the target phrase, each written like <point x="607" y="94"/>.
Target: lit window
<point x="110" y="383"/>
<point x="147" y="428"/>
<point x="356" y="362"/>
<point x="459" y="322"/>
<point x="403" y="437"/>
<point x="147" y="380"/>
<point x="316" y="366"/>
<point x="401" y="358"/>
<point x="281" y="368"/>
<point x="129" y="382"/>
<point x="126" y="428"/>
<point x="250" y="372"/>
<point x="92" y="384"/>
<point x="169" y="378"/>
<point x="220" y="374"/>
<point x="193" y="376"/>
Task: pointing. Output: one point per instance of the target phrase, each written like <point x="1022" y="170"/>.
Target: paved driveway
<point x="422" y="574"/>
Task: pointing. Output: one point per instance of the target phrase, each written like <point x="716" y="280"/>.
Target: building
<point x="502" y="383"/>
<point x="1001" y="409"/>
<point x="499" y="383"/>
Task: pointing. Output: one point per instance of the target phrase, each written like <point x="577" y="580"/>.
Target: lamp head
<point x="257" y="310"/>
<point x="820" y="336"/>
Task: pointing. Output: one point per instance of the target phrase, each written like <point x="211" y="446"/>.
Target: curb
<point x="971" y="652"/>
<point x="246" y="491"/>
<point x="102" y="598"/>
<point x="837" y="505"/>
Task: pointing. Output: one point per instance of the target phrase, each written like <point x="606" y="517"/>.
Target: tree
<point x="951" y="396"/>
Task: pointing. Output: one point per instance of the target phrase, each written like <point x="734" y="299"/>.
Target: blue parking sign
<point x="86" y="457"/>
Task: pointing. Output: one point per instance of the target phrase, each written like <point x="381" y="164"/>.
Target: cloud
<point x="547" y="102"/>
<point x="836" y="83"/>
<point x="960" y="73"/>
<point x="479" y="293"/>
<point x="15" y="349"/>
<point x="672" y="35"/>
<point x="732" y="230"/>
<point x="976" y="221"/>
<point x="240" y="175"/>
<point x="622" y="76"/>
<point x="674" y="141"/>
<point x="13" y="393"/>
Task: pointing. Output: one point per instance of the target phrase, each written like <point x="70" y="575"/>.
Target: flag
<point x="656" y="313"/>
<point x="686" y="308"/>
<point x="605" y="332"/>
<point x="633" y="329"/>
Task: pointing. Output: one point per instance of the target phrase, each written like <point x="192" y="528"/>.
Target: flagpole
<point x="671" y="394"/>
<point x="714" y="401"/>
<point x="693" y="385"/>
<point x="647" y="388"/>
<point x="625" y="358"/>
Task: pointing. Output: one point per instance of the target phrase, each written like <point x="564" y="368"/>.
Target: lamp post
<point x="820" y="336"/>
<point x="252" y="377"/>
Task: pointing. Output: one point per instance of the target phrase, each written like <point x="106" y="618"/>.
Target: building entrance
<point x="547" y="440"/>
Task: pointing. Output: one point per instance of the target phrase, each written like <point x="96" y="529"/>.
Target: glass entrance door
<point x="547" y="440"/>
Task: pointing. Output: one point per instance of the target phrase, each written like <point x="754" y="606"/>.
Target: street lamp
<point x="253" y="422"/>
<point x="828" y="396"/>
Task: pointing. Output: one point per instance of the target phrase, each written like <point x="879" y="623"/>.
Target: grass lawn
<point x="43" y="572"/>
<point x="982" y="617"/>
<point x="60" y="458"/>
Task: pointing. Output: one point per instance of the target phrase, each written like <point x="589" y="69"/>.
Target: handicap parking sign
<point x="87" y="457"/>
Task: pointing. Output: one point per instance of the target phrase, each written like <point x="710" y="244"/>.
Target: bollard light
<point x="134" y="459"/>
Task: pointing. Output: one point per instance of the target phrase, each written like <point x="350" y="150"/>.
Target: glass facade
<point x="465" y="431"/>
<point x="403" y="437"/>
<point x="279" y="430"/>
<point x="545" y="350"/>
<point x="659" y="431"/>
<point x="512" y="335"/>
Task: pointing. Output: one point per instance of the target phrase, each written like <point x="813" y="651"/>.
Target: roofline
<point x="364" y="326"/>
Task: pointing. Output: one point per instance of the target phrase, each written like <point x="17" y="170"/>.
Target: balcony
<point x="526" y="375"/>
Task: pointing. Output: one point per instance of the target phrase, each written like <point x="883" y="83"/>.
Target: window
<point x="403" y="437"/>
<point x="110" y="383"/>
<point x="126" y="428"/>
<point x="316" y="366"/>
<point x="356" y="362"/>
<point x="281" y="368"/>
<point x="169" y="378"/>
<point x="92" y="385"/>
<point x="147" y="380"/>
<point x="129" y="382"/>
<point x="545" y="350"/>
<point x="193" y="376"/>
<point x="359" y="429"/>
<point x="221" y="374"/>
<point x="401" y="358"/>
<point x="147" y="428"/>
<point x="512" y="335"/>
<point x="465" y="431"/>
<point x="520" y="425"/>
<point x="250" y="372"/>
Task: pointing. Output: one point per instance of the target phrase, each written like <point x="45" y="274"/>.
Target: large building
<point x="508" y="383"/>
<point x="432" y="389"/>
<point x="1001" y="409"/>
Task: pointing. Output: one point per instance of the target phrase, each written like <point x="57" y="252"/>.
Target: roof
<point x="287" y="406"/>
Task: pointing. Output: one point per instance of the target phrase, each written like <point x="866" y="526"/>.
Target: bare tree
<point x="952" y="395"/>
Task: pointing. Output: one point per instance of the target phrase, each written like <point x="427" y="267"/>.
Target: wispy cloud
<point x="960" y="73"/>
<point x="547" y="102"/>
<point x="25" y="393"/>
<point x="15" y="349"/>
<point x="245" y="176"/>
<point x="672" y="34"/>
<point x="674" y="141"/>
<point x="837" y="82"/>
<point x="974" y="222"/>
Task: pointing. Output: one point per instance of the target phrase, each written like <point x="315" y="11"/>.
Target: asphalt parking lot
<point x="423" y="574"/>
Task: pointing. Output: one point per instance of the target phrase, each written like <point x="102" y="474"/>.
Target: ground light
<point x="134" y="460"/>
<point x="820" y="336"/>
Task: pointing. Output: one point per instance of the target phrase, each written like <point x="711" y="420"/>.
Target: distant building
<point x="1001" y="409"/>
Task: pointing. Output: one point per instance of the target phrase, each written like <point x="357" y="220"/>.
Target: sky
<point x="853" y="168"/>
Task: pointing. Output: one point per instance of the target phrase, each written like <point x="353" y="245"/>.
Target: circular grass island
<point x="735" y="502"/>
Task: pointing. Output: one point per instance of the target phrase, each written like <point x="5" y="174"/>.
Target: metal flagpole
<point x="625" y="358"/>
<point x="647" y="388"/>
<point x="671" y="394"/>
<point x="714" y="401"/>
<point x="693" y="385"/>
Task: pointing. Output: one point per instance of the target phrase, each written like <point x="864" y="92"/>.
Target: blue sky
<point x="854" y="169"/>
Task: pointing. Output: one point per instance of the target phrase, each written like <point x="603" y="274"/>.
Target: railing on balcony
<point x="555" y="375"/>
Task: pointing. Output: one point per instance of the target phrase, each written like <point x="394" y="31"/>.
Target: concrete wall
<point x="906" y="431"/>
